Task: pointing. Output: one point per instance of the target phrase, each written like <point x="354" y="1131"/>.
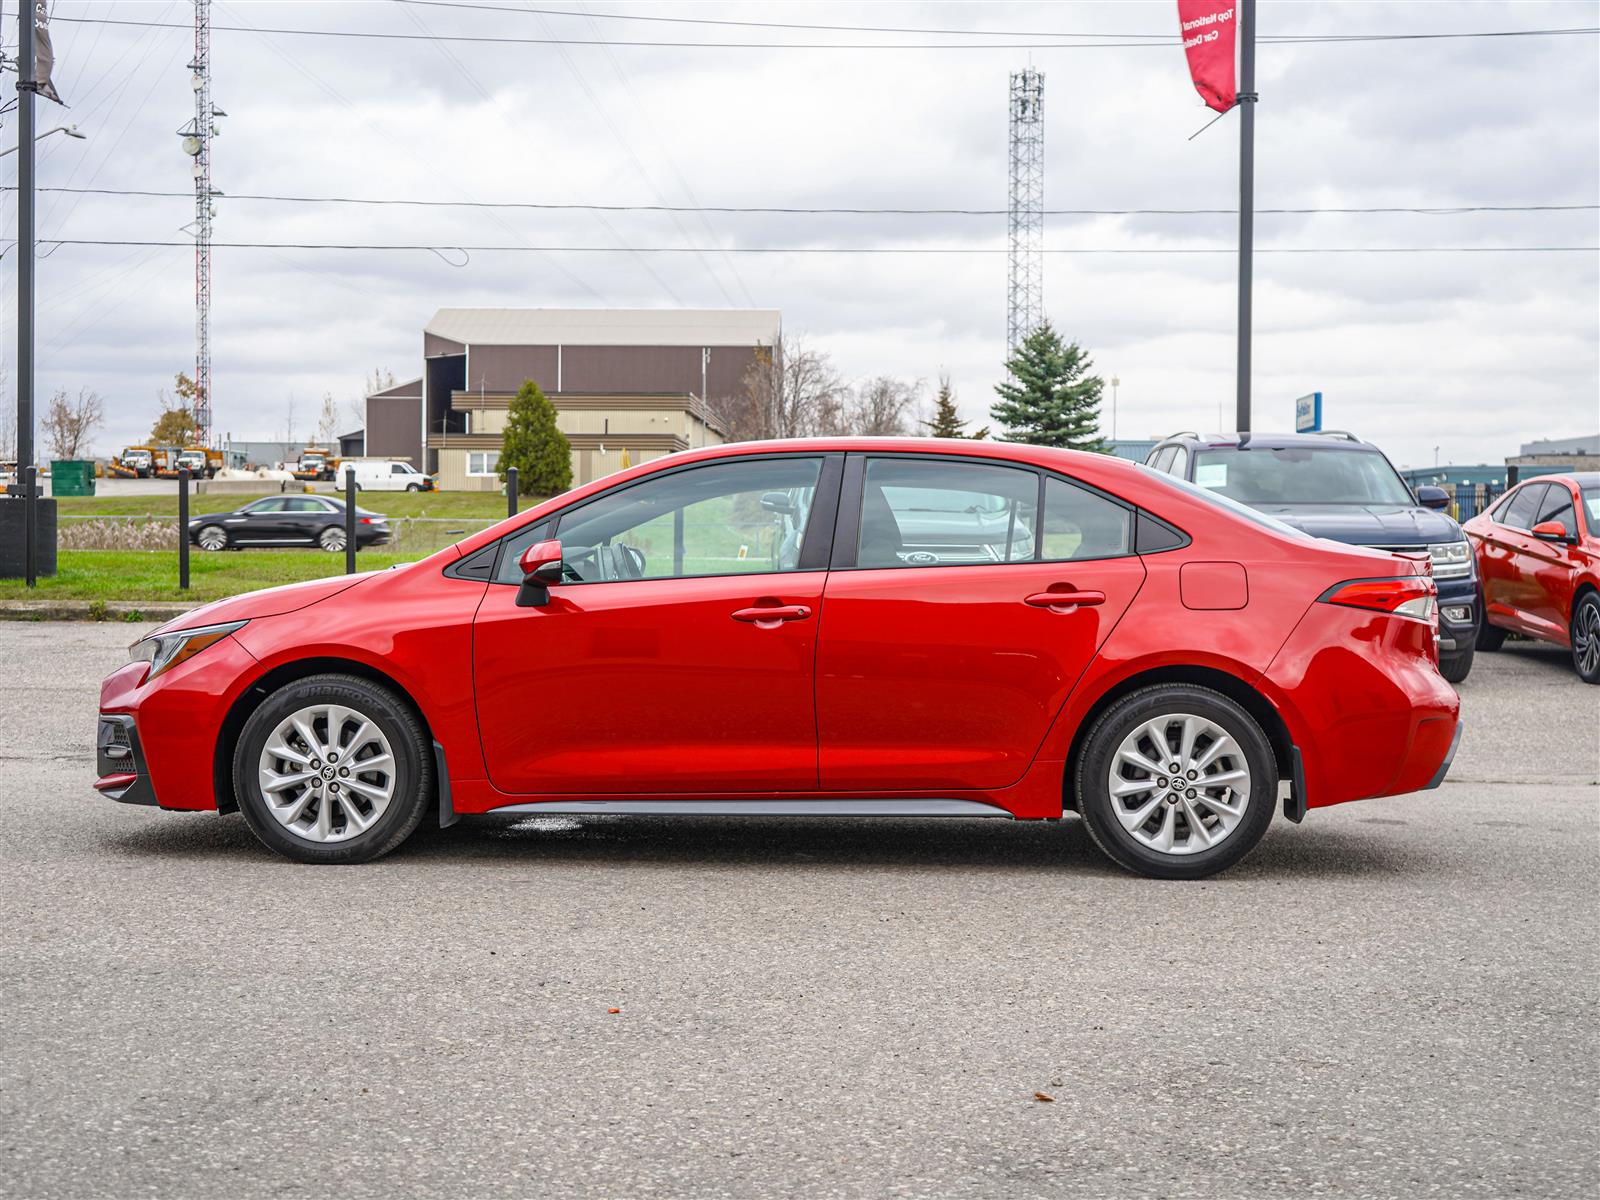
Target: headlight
<point x="1451" y="560"/>
<point x="165" y="650"/>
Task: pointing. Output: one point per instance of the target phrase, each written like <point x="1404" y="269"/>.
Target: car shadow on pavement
<point x="807" y="843"/>
<point x="810" y="844"/>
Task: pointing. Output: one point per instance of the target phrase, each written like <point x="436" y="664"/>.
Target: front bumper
<point x="1458" y="614"/>
<point x="119" y="761"/>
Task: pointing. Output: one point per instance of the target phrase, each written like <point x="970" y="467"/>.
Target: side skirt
<point x="765" y="808"/>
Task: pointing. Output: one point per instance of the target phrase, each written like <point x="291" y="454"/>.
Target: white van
<point x="384" y="475"/>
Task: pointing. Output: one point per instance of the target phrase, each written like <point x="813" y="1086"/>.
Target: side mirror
<point x="1433" y="497"/>
<point x="777" y="502"/>
<point x="1551" y="531"/>
<point x="541" y="567"/>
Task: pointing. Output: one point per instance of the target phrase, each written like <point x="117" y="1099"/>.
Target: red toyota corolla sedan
<point x="1538" y="552"/>
<point x="866" y="627"/>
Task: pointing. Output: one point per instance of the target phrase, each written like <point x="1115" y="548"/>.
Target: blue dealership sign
<point x="1308" y="413"/>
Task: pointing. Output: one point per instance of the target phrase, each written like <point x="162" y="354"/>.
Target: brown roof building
<point x="627" y="385"/>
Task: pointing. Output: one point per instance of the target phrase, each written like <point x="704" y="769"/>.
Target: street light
<point x="70" y="130"/>
<point x="1115" y="384"/>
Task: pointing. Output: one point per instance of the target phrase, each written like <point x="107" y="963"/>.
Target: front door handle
<point x="1057" y="601"/>
<point x="769" y="616"/>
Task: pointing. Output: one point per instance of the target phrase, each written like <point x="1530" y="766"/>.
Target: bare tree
<point x="288" y="422"/>
<point x="327" y="420"/>
<point x="381" y="380"/>
<point x="69" y="424"/>
<point x="882" y="406"/>
<point x="790" y="390"/>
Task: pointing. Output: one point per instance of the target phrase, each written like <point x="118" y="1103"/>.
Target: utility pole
<point x="197" y="135"/>
<point x="1247" y="187"/>
<point x="1025" y="285"/>
<point x="25" y="261"/>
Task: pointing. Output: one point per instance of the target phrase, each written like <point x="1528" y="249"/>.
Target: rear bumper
<point x="1365" y="704"/>
<point x="1449" y="757"/>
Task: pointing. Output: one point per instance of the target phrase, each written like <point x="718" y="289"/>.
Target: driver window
<point x="721" y="519"/>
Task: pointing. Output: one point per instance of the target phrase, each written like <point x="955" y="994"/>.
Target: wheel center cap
<point x="328" y="772"/>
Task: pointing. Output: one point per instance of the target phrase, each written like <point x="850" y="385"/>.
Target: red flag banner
<point x="1208" y="36"/>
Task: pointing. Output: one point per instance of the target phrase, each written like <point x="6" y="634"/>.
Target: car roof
<point x="1336" y="439"/>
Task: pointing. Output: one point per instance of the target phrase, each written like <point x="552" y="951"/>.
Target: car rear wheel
<point x="1490" y="637"/>
<point x="333" y="769"/>
<point x="1176" y="781"/>
<point x="331" y="539"/>
<point x="212" y="538"/>
<point x="1586" y="637"/>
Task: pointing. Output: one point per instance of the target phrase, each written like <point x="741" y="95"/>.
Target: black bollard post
<point x="30" y="518"/>
<point x="511" y="491"/>
<point x="350" y="521"/>
<point x="183" y="529"/>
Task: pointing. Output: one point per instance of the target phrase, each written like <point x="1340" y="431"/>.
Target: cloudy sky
<point x="1471" y="353"/>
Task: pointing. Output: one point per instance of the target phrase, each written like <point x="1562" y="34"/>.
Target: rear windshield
<point x="1228" y="504"/>
<point x="1301" y="475"/>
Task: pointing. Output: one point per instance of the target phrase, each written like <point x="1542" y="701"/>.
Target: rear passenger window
<point x="1180" y="463"/>
<point x="927" y="513"/>
<point x="1080" y="524"/>
<point x="1163" y="459"/>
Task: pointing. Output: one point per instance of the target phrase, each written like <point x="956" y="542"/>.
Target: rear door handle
<point x="1060" y="600"/>
<point x="772" y="614"/>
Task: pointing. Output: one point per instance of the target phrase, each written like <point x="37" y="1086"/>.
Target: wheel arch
<point x="270" y="681"/>
<point x="1249" y="698"/>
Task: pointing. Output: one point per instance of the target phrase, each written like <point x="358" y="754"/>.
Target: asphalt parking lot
<point x="1397" y="998"/>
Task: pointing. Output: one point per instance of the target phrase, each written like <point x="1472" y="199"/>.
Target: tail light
<point x="370" y="520"/>
<point x="1400" y="595"/>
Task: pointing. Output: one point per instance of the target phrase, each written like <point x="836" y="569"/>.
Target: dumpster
<point x="71" y="477"/>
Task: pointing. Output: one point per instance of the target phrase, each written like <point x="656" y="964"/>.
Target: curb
<point x="91" y="610"/>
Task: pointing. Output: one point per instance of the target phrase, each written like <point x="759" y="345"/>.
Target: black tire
<point x="1456" y="667"/>
<point x="1490" y="637"/>
<point x="1092" y="788"/>
<point x="332" y="539"/>
<point x="413" y="487"/>
<point x="413" y="774"/>
<point x="1586" y="637"/>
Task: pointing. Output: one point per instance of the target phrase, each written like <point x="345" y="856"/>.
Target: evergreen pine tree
<point x="1049" y="398"/>
<point x="947" y="422"/>
<point x="533" y="445"/>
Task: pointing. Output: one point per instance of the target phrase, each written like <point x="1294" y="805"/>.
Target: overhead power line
<point x="446" y="247"/>
<point x="757" y="209"/>
<point x="670" y="45"/>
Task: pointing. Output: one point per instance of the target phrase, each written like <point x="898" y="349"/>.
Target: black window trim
<point x="824" y="509"/>
<point x="848" y="529"/>
<point x="1532" y="486"/>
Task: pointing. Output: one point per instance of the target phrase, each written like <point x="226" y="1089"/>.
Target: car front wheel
<point x="1456" y="667"/>
<point x="333" y="769"/>
<point x="1586" y="637"/>
<point x="1176" y="781"/>
<point x="1490" y="637"/>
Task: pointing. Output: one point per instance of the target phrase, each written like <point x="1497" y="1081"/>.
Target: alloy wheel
<point x="327" y="773"/>
<point x="1179" y="784"/>
<point x="212" y="538"/>
<point x="332" y="540"/>
<point x="1586" y="639"/>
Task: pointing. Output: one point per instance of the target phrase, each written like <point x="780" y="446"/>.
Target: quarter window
<point x="723" y="519"/>
<point x="926" y="513"/>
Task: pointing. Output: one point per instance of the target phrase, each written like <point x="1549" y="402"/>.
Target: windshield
<point x="1229" y="504"/>
<point x="1301" y="475"/>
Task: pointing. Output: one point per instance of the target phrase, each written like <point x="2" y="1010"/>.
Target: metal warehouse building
<point x="634" y="382"/>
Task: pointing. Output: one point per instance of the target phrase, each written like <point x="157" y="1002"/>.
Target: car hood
<point x="268" y="602"/>
<point x="1367" y="524"/>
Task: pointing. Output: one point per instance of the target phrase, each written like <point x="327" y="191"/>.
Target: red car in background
<point x="1538" y="551"/>
<point x="873" y="627"/>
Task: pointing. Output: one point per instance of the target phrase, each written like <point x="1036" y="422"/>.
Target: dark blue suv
<point x="1334" y="485"/>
